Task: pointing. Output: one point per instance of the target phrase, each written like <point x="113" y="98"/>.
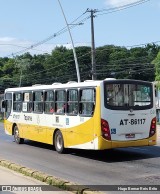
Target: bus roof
<point x="71" y="84"/>
<point x="86" y="83"/>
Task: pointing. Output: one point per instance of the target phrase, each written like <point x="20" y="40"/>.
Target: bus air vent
<point x="71" y="82"/>
<point x="37" y="85"/>
<point x="110" y="79"/>
<point x="56" y="83"/>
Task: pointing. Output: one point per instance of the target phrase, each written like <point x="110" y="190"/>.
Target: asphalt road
<point x="140" y="165"/>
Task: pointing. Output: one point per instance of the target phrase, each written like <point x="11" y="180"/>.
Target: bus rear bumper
<point x="144" y="142"/>
<point x="104" y="144"/>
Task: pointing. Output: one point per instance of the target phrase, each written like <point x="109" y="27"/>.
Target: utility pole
<point x="19" y="66"/>
<point x="22" y="65"/>
<point x="92" y="11"/>
<point x="74" y="52"/>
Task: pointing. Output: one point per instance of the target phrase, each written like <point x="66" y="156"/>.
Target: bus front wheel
<point x="17" y="138"/>
<point x="59" y="142"/>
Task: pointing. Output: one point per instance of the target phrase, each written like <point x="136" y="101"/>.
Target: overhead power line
<point x="102" y="50"/>
<point x="119" y="8"/>
<point x="92" y="12"/>
<point x="15" y="45"/>
<point x="63" y="30"/>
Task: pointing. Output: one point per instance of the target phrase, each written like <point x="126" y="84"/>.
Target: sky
<point x="24" y="23"/>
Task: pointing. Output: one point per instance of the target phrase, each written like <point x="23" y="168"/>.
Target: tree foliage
<point x="142" y="63"/>
<point x="156" y="62"/>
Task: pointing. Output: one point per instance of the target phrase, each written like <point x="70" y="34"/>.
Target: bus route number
<point x="132" y="121"/>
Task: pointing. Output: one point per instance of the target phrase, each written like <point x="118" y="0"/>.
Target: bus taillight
<point x="105" y="129"/>
<point x="152" y="127"/>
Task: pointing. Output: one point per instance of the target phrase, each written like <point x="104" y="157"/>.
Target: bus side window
<point x="38" y="101"/>
<point x="8" y="104"/>
<point x="87" y="101"/>
<point x="72" y="102"/>
<point x="60" y="101"/>
<point x="27" y="102"/>
<point x="49" y="106"/>
<point x="17" y="102"/>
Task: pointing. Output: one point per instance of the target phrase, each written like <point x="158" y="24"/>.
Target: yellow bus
<point x="93" y="115"/>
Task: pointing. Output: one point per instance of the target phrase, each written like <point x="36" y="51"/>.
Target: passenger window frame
<point x="39" y="101"/>
<point x="72" y="102"/>
<point x="62" y="110"/>
<point x="49" y="101"/>
<point x="17" y="102"/>
<point x="87" y="102"/>
<point x="28" y="101"/>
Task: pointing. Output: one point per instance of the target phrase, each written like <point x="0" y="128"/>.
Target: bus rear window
<point x="128" y="95"/>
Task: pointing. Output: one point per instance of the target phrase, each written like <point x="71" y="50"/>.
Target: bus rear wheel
<point x="59" y="142"/>
<point x="17" y="138"/>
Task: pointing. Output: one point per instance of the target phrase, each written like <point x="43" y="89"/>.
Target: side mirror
<point x="4" y="103"/>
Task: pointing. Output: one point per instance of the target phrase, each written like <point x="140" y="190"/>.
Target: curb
<point x="48" y="179"/>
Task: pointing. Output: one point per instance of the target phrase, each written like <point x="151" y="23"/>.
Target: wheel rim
<point x="59" y="142"/>
<point x="16" y="134"/>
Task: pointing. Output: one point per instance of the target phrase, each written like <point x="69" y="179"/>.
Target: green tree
<point x="59" y="66"/>
<point x="156" y="62"/>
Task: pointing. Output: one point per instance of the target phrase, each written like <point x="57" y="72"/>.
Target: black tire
<point x="17" y="138"/>
<point x="59" y="142"/>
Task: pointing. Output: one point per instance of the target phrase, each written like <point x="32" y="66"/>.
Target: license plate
<point x="132" y="121"/>
<point x="131" y="135"/>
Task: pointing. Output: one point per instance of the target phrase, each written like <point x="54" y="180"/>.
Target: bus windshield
<point x="131" y="95"/>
